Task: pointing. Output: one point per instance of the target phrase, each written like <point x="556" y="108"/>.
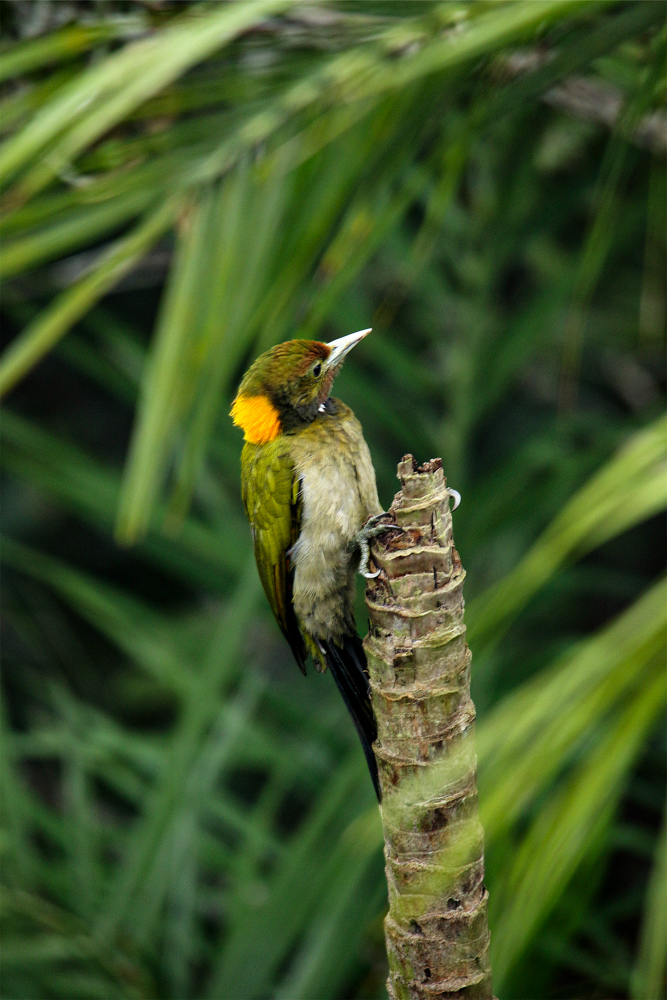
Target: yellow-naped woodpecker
<point x="309" y="491"/>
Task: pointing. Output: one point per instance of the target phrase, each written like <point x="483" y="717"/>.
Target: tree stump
<point x="419" y="663"/>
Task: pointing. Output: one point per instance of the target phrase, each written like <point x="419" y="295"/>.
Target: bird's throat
<point x="257" y="417"/>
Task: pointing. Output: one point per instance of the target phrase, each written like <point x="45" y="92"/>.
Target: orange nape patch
<point x="257" y="417"/>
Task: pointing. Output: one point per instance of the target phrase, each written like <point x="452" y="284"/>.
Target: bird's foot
<point x="372" y="529"/>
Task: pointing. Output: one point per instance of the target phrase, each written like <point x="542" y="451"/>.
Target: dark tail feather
<point x="348" y="666"/>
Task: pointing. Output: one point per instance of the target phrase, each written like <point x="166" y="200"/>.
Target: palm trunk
<point x="436" y="929"/>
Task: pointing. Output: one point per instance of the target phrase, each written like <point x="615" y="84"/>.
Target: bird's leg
<point x="373" y="528"/>
<point x="361" y="541"/>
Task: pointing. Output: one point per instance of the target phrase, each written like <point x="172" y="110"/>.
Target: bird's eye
<point x="317" y="369"/>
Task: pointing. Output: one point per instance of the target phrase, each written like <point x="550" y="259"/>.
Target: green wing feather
<point x="272" y="499"/>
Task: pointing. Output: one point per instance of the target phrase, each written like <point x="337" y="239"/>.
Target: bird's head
<point x="286" y="386"/>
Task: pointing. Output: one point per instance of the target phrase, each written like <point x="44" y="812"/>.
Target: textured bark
<point x="436" y="929"/>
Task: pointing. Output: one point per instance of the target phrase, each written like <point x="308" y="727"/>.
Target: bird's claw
<point x="363" y="562"/>
<point x="371" y="529"/>
<point x="455" y="495"/>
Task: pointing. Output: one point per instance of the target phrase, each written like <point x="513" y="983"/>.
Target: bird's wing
<point x="273" y="503"/>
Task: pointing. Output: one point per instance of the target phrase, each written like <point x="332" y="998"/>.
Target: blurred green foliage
<point x="183" y="185"/>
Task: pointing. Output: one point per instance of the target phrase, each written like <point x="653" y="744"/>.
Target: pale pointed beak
<point x="342" y="346"/>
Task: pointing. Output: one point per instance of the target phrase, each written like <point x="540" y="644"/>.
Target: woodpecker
<point x="309" y="491"/>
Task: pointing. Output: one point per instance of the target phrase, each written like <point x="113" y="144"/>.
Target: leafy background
<point x="183" y="815"/>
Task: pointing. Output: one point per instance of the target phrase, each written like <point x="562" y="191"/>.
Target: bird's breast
<point x="338" y="491"/>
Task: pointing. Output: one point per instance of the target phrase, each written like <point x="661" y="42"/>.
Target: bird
<point x="309" y="491"/>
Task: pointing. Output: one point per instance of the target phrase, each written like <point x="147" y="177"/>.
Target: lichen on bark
<point x="419" y="663"/>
